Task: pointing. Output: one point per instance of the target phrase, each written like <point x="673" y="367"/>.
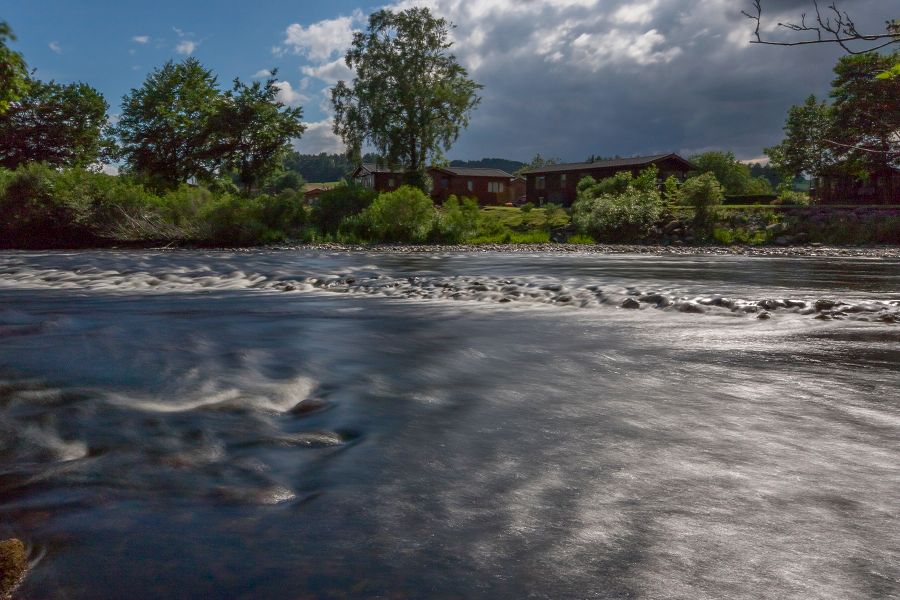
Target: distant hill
<point x="510" y="166"/>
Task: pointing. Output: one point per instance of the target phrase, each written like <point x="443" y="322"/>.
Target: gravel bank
<point x="772" y="251"/>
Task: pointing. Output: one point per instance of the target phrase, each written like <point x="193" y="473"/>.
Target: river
<point x="284" y="424"/>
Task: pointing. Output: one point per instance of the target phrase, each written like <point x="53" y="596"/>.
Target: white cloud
<point x="329" y="72"/>
<point x="141" y="39"/>
<point x="186" y="47"/>
<point x="322" y="40"/>
<point x="262" y="73"/>
<point x="55" y="47"/>
<point x="288" y="95"/>
<point x="639" y="13"/>
<point x="319" y="137"/>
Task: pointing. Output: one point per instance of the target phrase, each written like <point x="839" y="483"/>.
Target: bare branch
<point x="834" y="26"/>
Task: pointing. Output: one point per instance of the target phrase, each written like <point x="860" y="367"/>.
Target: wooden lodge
<point x="558" y="183"/>
<point x="881" y="187"/>
<point x="488" y="186"/>
<point x="381" y="179"/>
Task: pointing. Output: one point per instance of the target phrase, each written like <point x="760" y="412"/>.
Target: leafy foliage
<point x="617" y="208"/>
<point x="734" y="176"/>
<point x="404" y="215"/>
<point x="410" y="98"/>
<point x="165" y="124"/>
<point x="336" y="205"/>
<point x="61" y="125"/>
<point x="704" y="193"/>
<point x="254" y="130"/>
<point x="13" y="71"/>
<point x="459" y="220"/>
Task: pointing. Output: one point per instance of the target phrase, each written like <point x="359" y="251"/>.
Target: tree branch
<point x="833" y="27"/>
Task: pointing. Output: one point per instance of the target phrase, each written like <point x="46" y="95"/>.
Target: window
<point x="540" y="182"/>
<point x="562" y="180"/>
<point x="495" y="187"/>
<point x="470" y="185"/>
<point x="391" y="182"/>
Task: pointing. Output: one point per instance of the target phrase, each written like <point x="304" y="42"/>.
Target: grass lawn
<point x="518" y="220"/>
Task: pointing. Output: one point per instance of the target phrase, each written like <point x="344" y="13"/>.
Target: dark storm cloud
<point x="571" y="79"/>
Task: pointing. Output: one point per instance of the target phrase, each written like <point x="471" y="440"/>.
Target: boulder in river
<point x="630" y="303"/>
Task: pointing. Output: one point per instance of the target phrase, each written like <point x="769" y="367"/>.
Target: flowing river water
<point x="284" y="424"/>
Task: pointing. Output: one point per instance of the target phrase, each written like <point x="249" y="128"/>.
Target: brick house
<point x="558" y="183"/>
<point x="488" y="186"/>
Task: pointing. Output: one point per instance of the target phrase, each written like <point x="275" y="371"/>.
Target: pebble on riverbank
<point x="658" y="250"/>
<point x="13" y="565"/>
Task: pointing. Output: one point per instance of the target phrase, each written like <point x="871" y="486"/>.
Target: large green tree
<point x="254" y="130"/>
<point x="165" y="127"/>
<point x="857" y="132"/>
<point x="866" y="110"/>
<point x="13" y="72"/>
<point x="410" y="97"/>
<point x="61" y="125"/>
<point x="734" y="176"/>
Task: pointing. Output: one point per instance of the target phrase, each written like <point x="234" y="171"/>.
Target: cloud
<point x="141" y="39"/>
<point x="185" y="47"/>
<point x="330" y="72"/>
<point x="288" y="95"/>
<point x="571" y="78"/>
<point x="319" y="137"/>
<point x="55" y="47"/>
<point x="322" y="40"/>
<point x="262" y="73"/>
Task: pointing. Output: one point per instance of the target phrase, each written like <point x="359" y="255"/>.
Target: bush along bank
<point x="43" y="207"/>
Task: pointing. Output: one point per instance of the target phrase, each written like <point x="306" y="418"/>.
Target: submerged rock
<point x="630" y="303"/>
<point x="13" y="565"/>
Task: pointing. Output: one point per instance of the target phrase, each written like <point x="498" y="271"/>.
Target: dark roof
<point x="475" y="172"/>
<point x="373" y="168"/>
<point x="614" y="163"/>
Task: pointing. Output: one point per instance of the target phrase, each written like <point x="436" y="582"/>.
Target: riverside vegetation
<point x="44" y="207"/>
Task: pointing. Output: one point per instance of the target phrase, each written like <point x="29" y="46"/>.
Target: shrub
<point x="404" y="215"/>
<point x="339" y="203"/>
<point x="553" y="212"/>
<point x="704" y="193"/>
<point x="458" y="221"/>
<point x="672" y="191"/>
<point x="527" y="207"/>
<point x="581" y="239"/>
<point x="619" y="208"/>
<point x="788" y="197"/>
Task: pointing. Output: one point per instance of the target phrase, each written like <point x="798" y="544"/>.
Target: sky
<point x="563" y="78"/>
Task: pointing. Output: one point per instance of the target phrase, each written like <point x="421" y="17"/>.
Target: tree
<point x="410" y="98"/>
<point x="858" y="132"/>
<point x="165" y="125"/>
<point x="733" y="175"/>
<point x="866" y="111"/>
<point x="13" y="71"/>
<point x="61" y="125"/>
<point x="254" y="130"/>
<point x="536" y="163"/>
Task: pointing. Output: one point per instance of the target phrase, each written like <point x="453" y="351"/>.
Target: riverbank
<point x="771" y="251"/>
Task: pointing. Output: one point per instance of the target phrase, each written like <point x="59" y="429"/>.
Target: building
<point x="488" y="186"/>
<point x="313" y="194"/>
<point x="381" y="179"/>
<point x="881" y="187"/>
<point x="559" y="183"/>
